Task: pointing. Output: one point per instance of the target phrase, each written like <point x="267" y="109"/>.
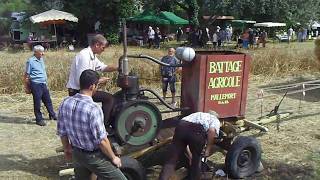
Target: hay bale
<point x="317" y="48"/>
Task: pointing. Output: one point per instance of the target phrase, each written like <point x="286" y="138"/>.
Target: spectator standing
<point x="36" y="76"/>
<point x="151" y="34"/>
<point x="245" y="39"/>
<point x="87" y="59"/>
<point x="83" y="134"/>
<point x="251" y="38"/>
<point x="263" y="38"/>
<point x="229" y="34"/>
<point x="214" y="40"/>
<point x="179" y="34"/>
<point x="304" y="34"/>
<point x="204" y="37"/>
<point x="188" y="31"/>
<point x="290" y="34"/>
<point x="222" y="36"/>
<point x="168" y="75"/>
<point x="157" y="38"/>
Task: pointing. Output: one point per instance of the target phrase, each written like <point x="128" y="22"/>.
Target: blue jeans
<point x="40" y="93"/>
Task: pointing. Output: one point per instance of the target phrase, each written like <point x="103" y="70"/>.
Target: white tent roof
<point x="53" y="15"/>
<point x="315" y="25"/>
<point x="269" y="24"/>
<point x="243" y="21"/>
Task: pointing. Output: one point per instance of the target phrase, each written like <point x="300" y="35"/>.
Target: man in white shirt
<point x="196" y="131"/>
<point x="151" y="34"/>
<point x="86" y="59"/>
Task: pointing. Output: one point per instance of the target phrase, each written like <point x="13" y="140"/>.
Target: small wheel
<point x="243" y="157"/>
<point x="132" y="169"/>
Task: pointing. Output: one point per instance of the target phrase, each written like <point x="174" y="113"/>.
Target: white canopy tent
<point x="270" y="24"/>
<point x="53" y="17"/>
<point x="315" y="25"/>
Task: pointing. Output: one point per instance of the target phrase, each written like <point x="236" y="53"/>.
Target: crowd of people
<point x="249" y="38"/>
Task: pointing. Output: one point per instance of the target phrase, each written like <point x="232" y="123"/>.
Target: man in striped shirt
<point x="83" y="134"/>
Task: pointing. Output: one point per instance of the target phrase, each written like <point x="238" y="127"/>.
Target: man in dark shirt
<point x="168" y="75"/>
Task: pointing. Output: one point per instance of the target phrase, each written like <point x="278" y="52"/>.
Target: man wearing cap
<point x="194" y="132"/>
<point x="36" y="79"/>
<point x="87" y="59"/>
<point x="83" y="134"/>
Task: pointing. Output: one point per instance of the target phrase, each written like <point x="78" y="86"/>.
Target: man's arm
<point x="66" y="147"/>
<point x="111" y="68"/>
<point x="26" y="83"/>
<point x="100" y="134"/>
<point x="105" y="147"/>
<point x="26" y="78"/>
<point x="211" y="134"/>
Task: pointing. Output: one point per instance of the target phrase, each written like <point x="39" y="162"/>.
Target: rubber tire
<point x="252" y="148"/>
<point x="132" y="169"/>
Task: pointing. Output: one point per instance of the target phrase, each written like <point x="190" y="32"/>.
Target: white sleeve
<point x="215" y="123"/>
<point x="81" y="64"/>
<point x="99" y="66"/>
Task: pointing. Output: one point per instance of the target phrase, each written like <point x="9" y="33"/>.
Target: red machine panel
<point x="217" y="81"/>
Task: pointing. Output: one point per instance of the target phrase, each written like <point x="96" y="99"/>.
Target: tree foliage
<point x="109" y="12"/>
<point x="288" y="11"/>
<point x="8" y="6"/>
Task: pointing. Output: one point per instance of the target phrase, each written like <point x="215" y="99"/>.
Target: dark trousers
<point x="40" y="93"/>
<point x="186" y="133"/>
<point x="105" y="98"/>
<point x="171" y="81"/>
<point x="86" y="163"/>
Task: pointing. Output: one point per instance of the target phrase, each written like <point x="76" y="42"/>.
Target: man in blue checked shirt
<point x="36" y="76"/>
<point x="83" y="134"/>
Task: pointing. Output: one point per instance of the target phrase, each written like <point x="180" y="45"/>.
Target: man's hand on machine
<point x="103" y="80"/>
<point x="111" y="68"/>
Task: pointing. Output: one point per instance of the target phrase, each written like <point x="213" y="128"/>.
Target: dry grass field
<point x="293" y="152"/>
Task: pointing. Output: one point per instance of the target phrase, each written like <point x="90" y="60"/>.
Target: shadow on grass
<point x="46" y="167"/>
<point x="283" y="171"/>
<point x="16" y="120"/>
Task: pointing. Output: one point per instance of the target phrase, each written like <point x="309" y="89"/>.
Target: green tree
<point x="107" y="12"/>
<point x="8" y="6"/>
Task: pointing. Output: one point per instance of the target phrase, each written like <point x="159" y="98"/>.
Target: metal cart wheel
<point x="243" y="157"/>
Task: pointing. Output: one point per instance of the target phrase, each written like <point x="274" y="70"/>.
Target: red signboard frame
<point x="216" y="81"/>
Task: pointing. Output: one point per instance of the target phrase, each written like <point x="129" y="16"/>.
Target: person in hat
<point x="194" y="132"/>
